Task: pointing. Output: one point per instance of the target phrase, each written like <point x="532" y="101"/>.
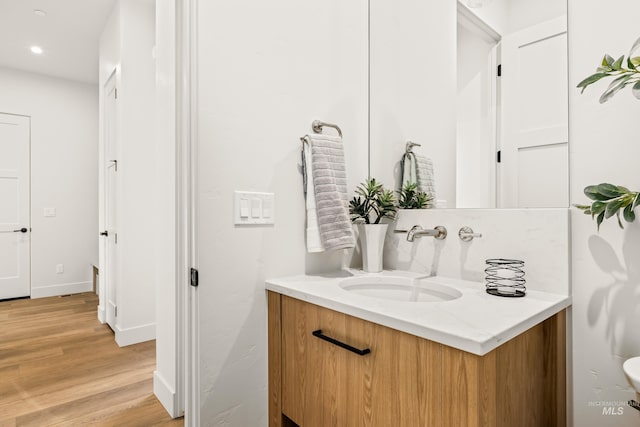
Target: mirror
<point x="482" y="86"/>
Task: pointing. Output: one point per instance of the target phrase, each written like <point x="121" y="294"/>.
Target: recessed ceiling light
<point x="37" y="50"/>
<point x="39" y="12"/>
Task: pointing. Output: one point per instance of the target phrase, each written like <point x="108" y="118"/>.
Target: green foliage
<point x="609" y="200"/>
<point x="623" y="76"/>
<point x="411" y="198"/>
<point x="372" y="203"/>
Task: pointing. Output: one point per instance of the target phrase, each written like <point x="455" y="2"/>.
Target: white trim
<point x="62" y="289"/>
<point x="474" y="23"/>
<point x="135" y="335"/>
<point x="186" y="129"/>
<point x="166" y="395"/>
<point x="102" y="315"/>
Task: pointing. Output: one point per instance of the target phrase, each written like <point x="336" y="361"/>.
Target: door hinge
<point x="115" y="236"/>
<point x="499" y="70"/>
<point x="116" y="93"/>
<point x="499" y="156"/>
<point x="194" y="278"/>
<point x="115" y="312"/>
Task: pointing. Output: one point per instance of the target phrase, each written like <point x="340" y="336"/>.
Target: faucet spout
<point x="439" y="232"/>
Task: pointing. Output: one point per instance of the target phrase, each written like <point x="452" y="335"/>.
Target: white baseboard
<point x="102" y="316"/>
<point x="63" y="289"/>
<point x="165" y="394"/>
<point x="129" y="336"/>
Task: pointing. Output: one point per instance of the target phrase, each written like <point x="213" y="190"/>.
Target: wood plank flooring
<point x="60" y="367"/>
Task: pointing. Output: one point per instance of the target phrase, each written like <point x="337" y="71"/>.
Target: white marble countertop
<point x="476" y="322"/>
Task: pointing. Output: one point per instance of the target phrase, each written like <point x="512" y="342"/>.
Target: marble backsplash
<point x="539" y="237"/>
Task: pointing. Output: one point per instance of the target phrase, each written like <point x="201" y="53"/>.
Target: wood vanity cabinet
<point x="406" y="380"/>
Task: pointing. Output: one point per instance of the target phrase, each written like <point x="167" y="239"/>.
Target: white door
<point x="15" y="242"/>
<point x="534" y="170"/>
<point x="109" y="234"/>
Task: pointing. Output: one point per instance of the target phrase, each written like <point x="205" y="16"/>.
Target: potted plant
<point x="367" y="209"/>
<point x="608" y="199"/>
<point x="411" y="198"/>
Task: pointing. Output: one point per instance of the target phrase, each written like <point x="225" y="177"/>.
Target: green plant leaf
<point x="608" y="60"/>
<point x="634" y="47"/>
<point x="599" y="220"/>
<point x="628" y="214"/>
<point x="610" y="190"/>
<point x="613" y="207"/>
<point x="636" y="90"/>
<point x="614" y="87"/>
<point x="598" y="207"/>
<point x="619" y="222"/>
<point x="592" y="192"/>
<point x="636" y="202"/>
<point x="617" y="65"/>
<point x="591" y="79"/>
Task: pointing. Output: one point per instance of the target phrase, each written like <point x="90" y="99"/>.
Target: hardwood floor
<point x="60" y="367"/>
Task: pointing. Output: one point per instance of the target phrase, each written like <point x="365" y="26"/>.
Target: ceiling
<point x="69" y="34"/>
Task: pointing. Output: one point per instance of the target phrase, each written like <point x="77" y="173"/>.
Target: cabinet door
<point x="398" y="383"/>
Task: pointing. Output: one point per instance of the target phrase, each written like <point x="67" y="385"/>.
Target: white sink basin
<point x="398" y="288"/>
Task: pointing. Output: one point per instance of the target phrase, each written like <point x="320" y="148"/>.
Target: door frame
<point x="102" y="185"/>
<point x="188" y="384"/>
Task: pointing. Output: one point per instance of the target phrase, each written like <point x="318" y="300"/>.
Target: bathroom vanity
<point x="464" y="358"/>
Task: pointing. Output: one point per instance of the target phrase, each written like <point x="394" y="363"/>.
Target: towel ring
<point x="317" y="126"/>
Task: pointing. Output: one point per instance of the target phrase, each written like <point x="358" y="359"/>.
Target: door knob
<point x="21" y="230"/>
<point x="104" y="233"/>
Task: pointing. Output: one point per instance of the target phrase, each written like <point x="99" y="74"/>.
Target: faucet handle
<point x="466" y="234"/>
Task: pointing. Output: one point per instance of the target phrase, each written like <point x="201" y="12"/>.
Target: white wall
<point x="413" y="89"/>
<point x="64" y="149"/>
<point x="127" y="45"/>
<point x="266" y="71"/>
<point x="606" y="266"/>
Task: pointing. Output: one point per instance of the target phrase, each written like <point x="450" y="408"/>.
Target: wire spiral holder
<point x="505" y="277"/>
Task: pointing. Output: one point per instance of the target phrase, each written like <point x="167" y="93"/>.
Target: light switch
<point x="244" y="208"/>
<point x="253" y="208"/>
<point x="256" y="211"/>
<point x="266" y="208"/>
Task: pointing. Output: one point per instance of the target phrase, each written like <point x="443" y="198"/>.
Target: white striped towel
<point x="425" y="177"/>
<point x="314" y="243"/>
<point x="330" y="185"/>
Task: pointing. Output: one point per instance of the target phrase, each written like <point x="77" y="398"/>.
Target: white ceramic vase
<point x="372" y="246"/>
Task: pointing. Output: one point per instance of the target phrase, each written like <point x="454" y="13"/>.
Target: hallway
<point x="60" y="367"/>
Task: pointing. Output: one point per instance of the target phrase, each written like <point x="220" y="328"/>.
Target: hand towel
<point x="330" y="185"/>
<point x="408" y="169"/>
<point x="425" y="178"/>
<point x="314" y="243"/>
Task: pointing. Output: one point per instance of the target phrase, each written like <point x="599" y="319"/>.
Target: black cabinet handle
<point x="318" y="334"/>
<point x="21" y="230"/>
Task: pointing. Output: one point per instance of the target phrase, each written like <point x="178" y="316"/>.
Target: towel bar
<point x="317" y="126"/>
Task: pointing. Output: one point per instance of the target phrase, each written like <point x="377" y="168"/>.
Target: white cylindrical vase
<point x="372" y="246"/>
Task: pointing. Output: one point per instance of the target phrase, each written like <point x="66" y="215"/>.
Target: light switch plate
<point x="252" y="208"/>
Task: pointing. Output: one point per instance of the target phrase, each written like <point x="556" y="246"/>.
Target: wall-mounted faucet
<point x="438" y="232"/>
<point x="466" y="234"/>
